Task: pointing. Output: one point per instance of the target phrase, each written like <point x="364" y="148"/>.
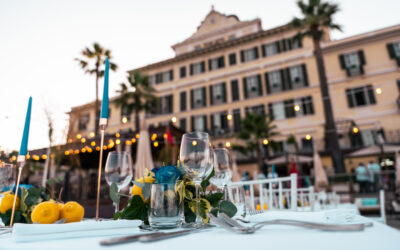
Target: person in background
<point x="362" y="178"/>
<point x="293" y="170"/>
<point x="272" y="175"/>
<point x="375" y="171"/>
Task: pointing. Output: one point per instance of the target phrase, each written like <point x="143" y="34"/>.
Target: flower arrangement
<point x="138" y="205"/>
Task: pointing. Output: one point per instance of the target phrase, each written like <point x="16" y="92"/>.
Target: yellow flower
<point x="7" y="203"/>
<point x="136" y="190"/>
<point x="46" y="212"/>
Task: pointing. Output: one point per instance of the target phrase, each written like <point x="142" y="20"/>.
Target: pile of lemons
<point x="49" y="212"/>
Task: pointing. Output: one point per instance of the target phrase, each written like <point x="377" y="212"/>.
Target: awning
<point x="282" y="160"/>
<point x="375" y="150"/>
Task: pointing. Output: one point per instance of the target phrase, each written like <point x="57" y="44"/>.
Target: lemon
<point x="46" y="212"/>
<point x="136" y="190"/>
<point x="258" y="207"/>
<point x="7" y="203"/>
<point x="72" y="212"/>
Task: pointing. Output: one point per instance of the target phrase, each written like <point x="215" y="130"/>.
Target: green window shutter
<point x="212" y="128"/>
<point x="209" y="64"/>
<point x="221" y="62"/>
<point x="263" y="50"/>
<point x="390" y="49"/>
<point x="284" y="45"/>
<point x="305" y="76"/>
<point x="224" y="92"/>
<point x="232" y="59"/>
<point x="236" y="120"/>
<point x="191" y="69"/>
<point x="192" y="99"/>
<point x="371" y="95"/>
<point x="256" y="52"/>
<point x="235" y="90"/>
<point x="245" y="88"/>
<point x="183" y="101"/>
<point x="342" y="62"/>
<point x="192" y="123"/>
<point x="205" y="123"/>
<point x="183" y="71"/>
<point x="361" y="57"/>
<point x="171" y="73"/>
<point x="349" y="98"/>
<point x="260" y="90"/>
<point x="182" y="124"/>
<point x="278" y="46"/>
<point x="288" y="79"/>
<point x="267" y="84"/>
<point x="242" y="56"/>
<point x="204" y="96"/>
<point x="271" y="110"/>
<point x="203" y="67"/>
<point x="211" y="95"/>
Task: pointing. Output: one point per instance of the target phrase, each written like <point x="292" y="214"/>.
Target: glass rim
<point x="5" y="164"/>
<point x="163" y="183"/>
<point x="196" y="134"/>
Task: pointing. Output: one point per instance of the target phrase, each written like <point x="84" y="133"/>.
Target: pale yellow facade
<point x="221" y="35"/>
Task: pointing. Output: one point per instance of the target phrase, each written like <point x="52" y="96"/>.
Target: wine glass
<point x="196" y="159"/>
<point x="223" y="170"/>
<point x="119" y="170"/>
<point x="7" y="176"/>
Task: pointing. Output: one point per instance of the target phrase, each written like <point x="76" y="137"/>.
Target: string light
<point x="89" y="150"/>
<point x="228" y="144"/>
<point x="69" y="140"/>
<point x="194" y="143"/>
<point x="124" y="120"/>
<point x="137" y="136"/>
<point x="229" y="117"/>
<point x="66" y="152"/>
<point x="105" y="147"/>
<point x="173" y="119"/>
<point x="93" y="143"/>
<point x="378" y="91"/>
<point x="154" y="137"/>
<point x="265" y="142"/>
<point x="83" y="150"/>
<point x="165" y="136"/>
<point x="83" y="140"/>
<point x="355" y="130"/>
<point x="91" y="134"/>
<point x="44" y="157"/>
<point x="296" y="108"/>
<point x="117" y="135"/>
<point x="308" y="137"/>
<point x="117" y="141"/>
<point x="128" y="142"/>
<point x="76" y="151"/>
<point x="133" y="140"/>
<point x="155" y="144"/>
<point x="97" y="148"/>
<point x="78" y="136"/>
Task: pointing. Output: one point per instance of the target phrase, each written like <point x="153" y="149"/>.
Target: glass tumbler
<point x="165" y="207"/>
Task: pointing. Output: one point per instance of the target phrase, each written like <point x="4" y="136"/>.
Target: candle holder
<point x="102" y="125"/>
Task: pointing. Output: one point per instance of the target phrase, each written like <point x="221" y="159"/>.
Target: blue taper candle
<point x="24" y="143"/>
<point x="104" y="103"/>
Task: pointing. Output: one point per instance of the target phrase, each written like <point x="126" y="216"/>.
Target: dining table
<point x="377" y="236"/>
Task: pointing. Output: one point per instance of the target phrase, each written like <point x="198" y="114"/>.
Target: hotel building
<point x="229" y="67"/>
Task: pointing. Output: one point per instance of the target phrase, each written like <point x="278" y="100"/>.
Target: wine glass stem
<point x="197" y="183"/>
<point x="117" y="204"/>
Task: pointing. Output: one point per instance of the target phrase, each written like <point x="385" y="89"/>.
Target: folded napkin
<point x="87" y="228"/>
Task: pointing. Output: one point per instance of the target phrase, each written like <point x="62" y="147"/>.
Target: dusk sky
<point x="40" y="39"/>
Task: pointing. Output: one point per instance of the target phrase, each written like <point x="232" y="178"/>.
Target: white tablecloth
<point x="379" y="236"/>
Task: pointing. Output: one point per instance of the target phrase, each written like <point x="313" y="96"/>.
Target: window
<point x="236" y="120"/>
<point x="306" y="145"/>
<point x="198" y="97"/>
<point x="259" y="109"/>
<point x="232" y="59"/>
<point x="274" y="81"/>
<point x="183" y="101"/>
<point x="235" y="90"/>
<point x="394" y="51"/>
<point x="291" y="44"/>
<point x="298" y="76"/>
<point x="353" y="63"/>
<point x="197" y="47"/>
<point x="252" y="86"/>
<point x="182" y="71"/>
<point x="166" y="76"/>
<point x="285" y="109"/>
<point x="197" y="68"/>
<point x="199" y="123"/>
<point x="152" y="79"/>
<point x="271" y="49"/>
<point x="216" y="63"/>
<point x="218" y="94"/>
<point x="232" y="37"/>
<point x="166" y="104"/>
<point x="83" y="121"/>
<point x="219" y="123"/>
<point x="361" y="96"/>
<point x="249" y="54"/>
<point x="182" y="124"/>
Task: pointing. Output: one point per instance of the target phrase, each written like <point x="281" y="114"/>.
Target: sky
<point x="40" y="39"/>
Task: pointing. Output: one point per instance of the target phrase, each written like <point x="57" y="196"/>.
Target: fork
<point x="234" y="226"/>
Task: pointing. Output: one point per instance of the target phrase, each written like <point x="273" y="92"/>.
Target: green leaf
<point x="114" y="194"/>
<point x="6" y="218"/>
<point x="214" y="211"/>
<point x="136" y="210"/>
<point x="22" y="205"/>
<point x="214" y="198"/>
<point x="33" y="197"/>
<point x="227" y="208"/>
<point x="190" y="216"/>
<point x="206" y="182"/>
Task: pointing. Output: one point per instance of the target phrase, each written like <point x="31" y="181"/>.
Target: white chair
<point x="379" y="206"/>
<point x="268" y="195"/>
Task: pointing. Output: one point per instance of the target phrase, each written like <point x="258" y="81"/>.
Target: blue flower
<point x="166" y="174"/>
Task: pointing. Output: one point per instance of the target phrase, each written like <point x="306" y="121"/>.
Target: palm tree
<point x="98" y="56"/>
<point x="254" y="130"/>
<point x="317" y="18"/>
<point x="136" y="96"/>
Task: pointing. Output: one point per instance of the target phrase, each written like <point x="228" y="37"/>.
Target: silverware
<point x="125" y="239"/>
<point x="255" y="212"/>
<point x="232" y="226"/>
<point x="164" y="236"/>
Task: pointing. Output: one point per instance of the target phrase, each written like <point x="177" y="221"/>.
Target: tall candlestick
<point x="103" y="125"/>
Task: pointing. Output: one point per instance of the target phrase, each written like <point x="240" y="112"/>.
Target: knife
<point x="153" y="238"/>
<point x="127" y="239"/>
